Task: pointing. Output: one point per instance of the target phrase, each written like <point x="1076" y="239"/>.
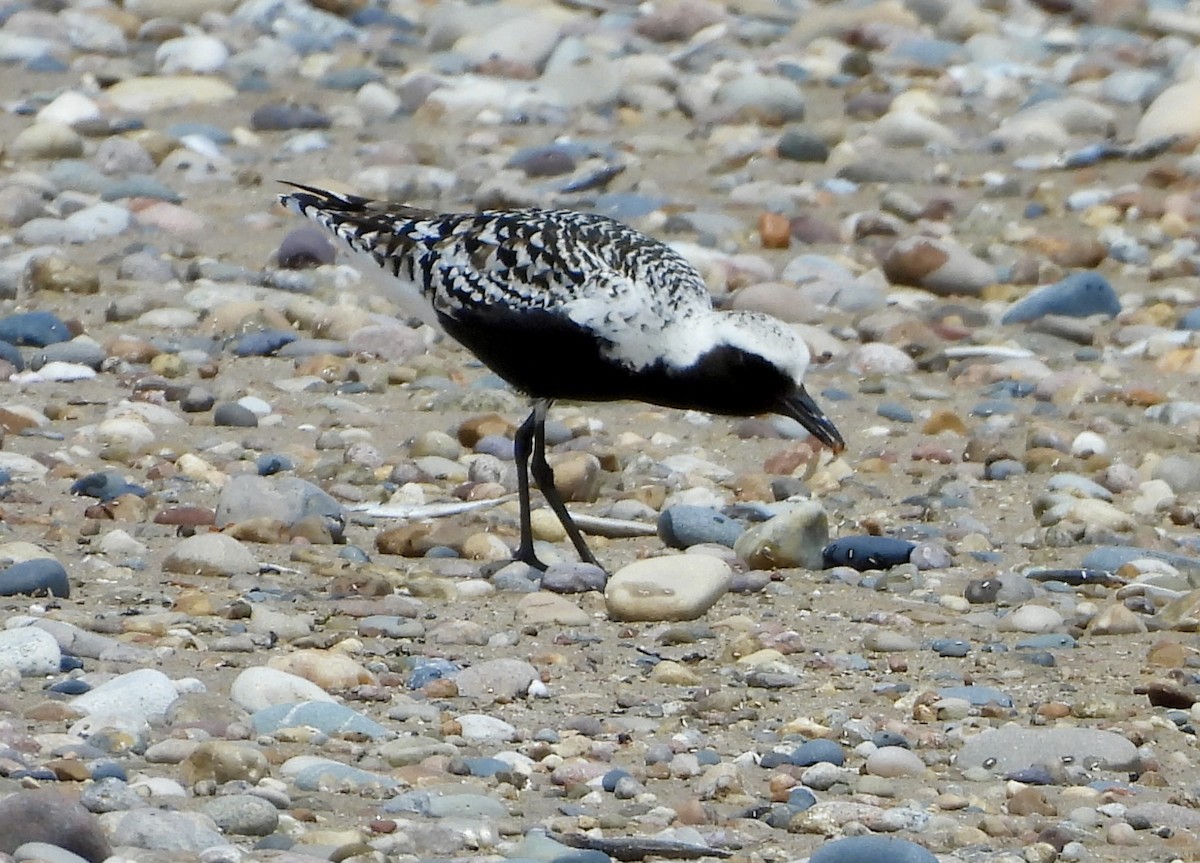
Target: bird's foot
<point x="527" y="557"/>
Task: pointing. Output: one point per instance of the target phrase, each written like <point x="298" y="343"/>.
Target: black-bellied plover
<point x="569" y="305"/>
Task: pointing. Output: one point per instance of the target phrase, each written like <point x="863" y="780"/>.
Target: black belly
<point x="546" y="356"/>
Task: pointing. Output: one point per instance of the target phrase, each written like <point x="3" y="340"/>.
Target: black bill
<point x="800" y="406"/>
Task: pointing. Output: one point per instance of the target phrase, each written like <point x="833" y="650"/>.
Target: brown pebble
<point x="944" y="420"/>
<point x="52" y="711"/>
<point x="69" y="769"/>
<point x="440" y="688"/>
<point x="1054" y="710"/>
<point x="270" y="531"/>
<point x="1167" y="654"/>
<point x="1030" y="801"/>
<point x="1164" y="693"/>
<point x="693" y="812"/>
<point x="774" y="230"/>
<point x="472" y="430"/>
<point x="785" y="462"/>
<point x="930" y="451"/>
<point x="911" y="263"/>
<point x="327" y="367"/>
<point x="186" y="516"/>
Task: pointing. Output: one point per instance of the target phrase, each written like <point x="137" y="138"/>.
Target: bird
<point x="572" y="305"/>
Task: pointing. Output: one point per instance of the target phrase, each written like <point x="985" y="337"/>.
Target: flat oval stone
<point x="680" y="587"/>
<point x="872" y="849"/>
<point x="1079" y="295"/>
<point x="41" y="576"/>
<point x="867" y="552"/>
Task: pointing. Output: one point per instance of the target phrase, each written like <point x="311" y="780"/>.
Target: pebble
<point x="680" y="587"/>
<point x="1010" y="748"/>
<point x="41" y="576"/>
<point x="1079" y="295"/>
<point x="497" y="680"/>
<point x="684" y="526"/>
<point x="136" y="695"/>
<point x="261" y="686"/>
<point x="863" y="849"/>
<point x="163" y="830"/>
<point x="48" y="816"/>
<point x="327" y="717"/>
<point x="867" y="552"/>
<point x="30" y="651"/>
<point x="214" y="554"/>
<point x="794" y="538"/>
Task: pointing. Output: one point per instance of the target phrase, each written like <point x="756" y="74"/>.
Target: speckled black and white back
<point x="605" y="277"/>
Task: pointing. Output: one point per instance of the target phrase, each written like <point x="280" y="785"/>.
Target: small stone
<point x="892" y="762"/>
<point x="210" y="554"/>
<point x="164" y="830"/>
<point x="684" y="526"/>
<point x="1079" y="295"/>
<point x="222" y="761"/>
<point x="259" y="687"/>
<point x="242" y="814"/>
<point x="306" y="246"/>
<point x="59" y="274"/>
<point x="497" y="679"/>
<point x="29" y="650"/>
<point x="1116" y="619"/>
<point x="872" y="849"/>
<point x="48" y="816"/>
<point x="680" y="587"/>
<point x="41" y="576"/>
<point x="867" y="552"/>
<point x="938" y="265"/>
<point x="793" y="538"/>
<point x="235" y="415"/>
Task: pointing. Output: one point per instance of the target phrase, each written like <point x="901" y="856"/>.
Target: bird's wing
<point x="596" y="271"/>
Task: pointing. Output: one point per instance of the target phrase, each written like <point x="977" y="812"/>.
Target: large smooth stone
<point x="679" y="587"/>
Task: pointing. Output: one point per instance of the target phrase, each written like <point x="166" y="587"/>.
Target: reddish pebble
<point x="186" y="516"/>
<point x="927" y="451"/>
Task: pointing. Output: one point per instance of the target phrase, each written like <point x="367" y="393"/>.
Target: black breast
<point x="547" y="356"/>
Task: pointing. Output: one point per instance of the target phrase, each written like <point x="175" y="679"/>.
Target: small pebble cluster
<point x="257" y="515"/>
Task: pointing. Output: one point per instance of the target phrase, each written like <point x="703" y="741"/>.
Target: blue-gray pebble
<point x="819" y="751"/>
<point x="1079" y="295"/>
<point x="872" y="849"/>
<point x="263" y="343"/>
<point x="977" y="695"/>
<point x="684" y="526"/>
<point x="38" y="577"/>
<point x="105" y="486"/>
<point x="34" y="329"/>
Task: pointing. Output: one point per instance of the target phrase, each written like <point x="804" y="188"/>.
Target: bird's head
<point x="780" y="349"/>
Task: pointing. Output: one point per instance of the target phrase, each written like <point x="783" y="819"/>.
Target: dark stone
<point x="235" y="415"/>
<point x="272" y="463"/>
<point x="867" y="552"/>
<point x="797" y="146"/>
<point x="951" y="647"/>
<point x="819" y="751"/>
<point x="281" y="116"/>
<point x="45" y="815"/>
<point x="306" y="246"/>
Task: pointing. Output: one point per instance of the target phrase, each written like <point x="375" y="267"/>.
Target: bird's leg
<point x="522" y="446"/>
<point x="543" y="475"/>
